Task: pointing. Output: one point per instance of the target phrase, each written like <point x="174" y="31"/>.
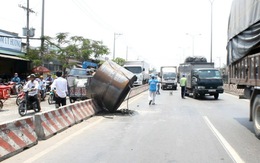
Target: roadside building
<point x="11" y="51"/>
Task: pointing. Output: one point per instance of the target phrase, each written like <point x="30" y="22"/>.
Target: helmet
<point x="32" y="76"/>
<point x="41" y="77"/>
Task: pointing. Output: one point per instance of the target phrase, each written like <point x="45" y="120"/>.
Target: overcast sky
<point x="160" y="32"/>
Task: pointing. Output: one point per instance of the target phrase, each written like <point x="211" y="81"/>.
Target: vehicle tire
<point x="1" y="105"/>
<point x="256" y="116"/>
<point x="18" y="101"/>
<point x="216" y="96"/>
<point x="20" y="88"/>
<point x="35" y="107"/>
<point x="51" y="100"/>
<point x="194" y="94"/>
<point x="72" y="100"/>
<point x="22" y="109"/>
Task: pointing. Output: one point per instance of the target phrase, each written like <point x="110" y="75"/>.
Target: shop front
<point x="11" y="54"/>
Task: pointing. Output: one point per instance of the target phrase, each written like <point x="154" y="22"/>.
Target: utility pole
<point x="114" y="48"/>
<point x="211" y="22"/>
<point x="28" y="10"/>
<point x="42" y="34"/>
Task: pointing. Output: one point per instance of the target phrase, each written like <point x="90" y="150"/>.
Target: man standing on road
<point x="183" y="82"/>
<point x="152" y="89"/>
<point x="61" y="89"/>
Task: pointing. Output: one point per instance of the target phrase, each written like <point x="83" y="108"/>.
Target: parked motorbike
<point x="28" y="103"/>
<point x="15" y="88"/>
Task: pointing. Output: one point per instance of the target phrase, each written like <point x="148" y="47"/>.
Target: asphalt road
<point x="173" y="130"/>
<point x="10" y="110"/>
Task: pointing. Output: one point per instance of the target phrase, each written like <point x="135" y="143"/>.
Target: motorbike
<point x="42" y="93"/>
<point x="20" y="97"/>
<point x="15" y="88"/>
<point x="28" y="103"/>
<point x="51" y="98"/>
<point x="48" y="86"/>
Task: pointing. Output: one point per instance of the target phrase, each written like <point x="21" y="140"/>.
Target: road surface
<point x="173" y="130"/>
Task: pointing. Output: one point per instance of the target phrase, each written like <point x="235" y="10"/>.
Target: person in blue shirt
<point x="16" y="78"/>
<point x="17" y="82"/>
<point x="152" y="89"/>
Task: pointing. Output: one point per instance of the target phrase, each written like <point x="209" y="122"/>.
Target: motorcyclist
<point x="33" y="86"/>
<point x="42" y="87"/>
<point x="49" y="81"/>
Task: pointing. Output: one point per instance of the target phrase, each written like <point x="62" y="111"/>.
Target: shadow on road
<point x="246" y="123"/>
<point x="121" y="112"/>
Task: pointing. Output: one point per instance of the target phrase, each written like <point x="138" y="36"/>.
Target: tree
<point x="76" y="47"/>
<point x="119" y="61"/>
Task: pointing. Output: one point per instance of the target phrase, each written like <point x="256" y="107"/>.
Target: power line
<point x="91" y="14"/>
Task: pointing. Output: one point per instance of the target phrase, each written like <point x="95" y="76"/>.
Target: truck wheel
<point x="256" y="116"/>
<point x="195" y="95"/>
<point x="216" y="96"/>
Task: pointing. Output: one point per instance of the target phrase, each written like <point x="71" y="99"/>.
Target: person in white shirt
<point x="33" y="85"/>
<point x="61" y="89"/>
<point x="42" y="88"/>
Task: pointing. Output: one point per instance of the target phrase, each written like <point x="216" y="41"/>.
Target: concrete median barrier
<point x="51" y="122"/>
<point x="84" y="109"/>
<point x="15" y="136"/>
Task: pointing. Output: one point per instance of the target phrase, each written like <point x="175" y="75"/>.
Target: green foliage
<point x="64" y="48"/>
<point x="33" y="55"/>
<point x="119" y="61"/>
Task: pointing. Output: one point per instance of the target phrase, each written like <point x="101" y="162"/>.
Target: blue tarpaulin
<point x="87" y="64"/>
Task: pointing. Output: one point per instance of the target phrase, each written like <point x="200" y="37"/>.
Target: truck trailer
<point x="202" y="79"/>
<point x="140" y="69"/>
<point x="243" y="54"/>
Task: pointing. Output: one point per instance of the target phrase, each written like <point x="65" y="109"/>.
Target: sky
<point x="163" y="33"/>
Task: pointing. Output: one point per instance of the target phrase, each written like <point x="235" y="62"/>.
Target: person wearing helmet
<point x="33" y="86"/>
<point x="152" y="89"/>
<point x="42" y="87"/>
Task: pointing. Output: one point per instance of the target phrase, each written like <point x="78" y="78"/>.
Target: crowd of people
<point x="37" y="84"/>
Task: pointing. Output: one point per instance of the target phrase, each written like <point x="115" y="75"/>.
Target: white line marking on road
<point x="54" y="146"/>
<point x="230" y="150"/>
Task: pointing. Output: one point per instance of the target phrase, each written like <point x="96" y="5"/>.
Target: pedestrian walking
<point x="152" y="89"/>
<point x="60" y="88"/>
<point x="183" y="82"/>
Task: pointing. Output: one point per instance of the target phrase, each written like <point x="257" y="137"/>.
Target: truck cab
<point x="206" y="81"/>
<point x="140" y="69"/>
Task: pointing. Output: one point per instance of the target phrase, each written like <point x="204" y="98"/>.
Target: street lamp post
<point x="115" y="34"/>
<point x="211" y="22"/>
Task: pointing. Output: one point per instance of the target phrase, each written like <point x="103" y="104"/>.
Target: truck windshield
<point x="135" y="70"/>
<point x="169" y="76"/>
<point x="203" y="74"/>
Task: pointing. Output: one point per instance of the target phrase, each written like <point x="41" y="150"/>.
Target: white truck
<point x="168" y="77"/>
<point x="140" y="69"/>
